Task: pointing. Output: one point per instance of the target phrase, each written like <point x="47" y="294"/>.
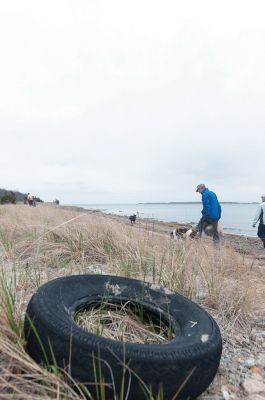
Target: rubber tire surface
<point x="195" y="349"/>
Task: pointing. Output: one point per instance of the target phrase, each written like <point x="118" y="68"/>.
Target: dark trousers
<point x="261" y="233"/>
<point x="204" y="221"/>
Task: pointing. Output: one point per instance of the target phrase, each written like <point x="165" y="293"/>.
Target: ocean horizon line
<point x="199" y="202"/>
<point x="170" y="202"/>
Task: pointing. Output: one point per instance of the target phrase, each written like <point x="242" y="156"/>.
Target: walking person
<point x="260" y="216"/>
<point x="211" y="212"/>
<point x="30" y="199"/>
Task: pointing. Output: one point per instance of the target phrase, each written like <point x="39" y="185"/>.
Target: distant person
<point x="26" y="200"/>
<point x="260" y="216"/>
<point x="211" y="212"/>
<point x="30" y="199"/>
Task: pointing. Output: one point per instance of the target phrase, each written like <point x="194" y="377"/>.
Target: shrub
<point x="8" y="197"/>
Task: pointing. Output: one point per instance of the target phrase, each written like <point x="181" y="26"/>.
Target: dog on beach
<point x="183" y="233"/>
<point x="192" y="233"/>
<point x="132" y="218"/>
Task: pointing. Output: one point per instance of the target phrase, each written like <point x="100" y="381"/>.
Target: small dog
<point x="184" y="233"/>
<point x="193" y="233"/>
<point x="132" y="218"/>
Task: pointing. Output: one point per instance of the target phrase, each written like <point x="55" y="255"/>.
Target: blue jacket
<point x="211" y="206"/>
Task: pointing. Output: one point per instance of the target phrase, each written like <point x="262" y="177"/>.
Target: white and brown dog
<point x="183" y="233"/>
<point x="192" y="233"/>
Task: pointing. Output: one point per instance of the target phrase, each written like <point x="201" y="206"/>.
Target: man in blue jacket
<point x="211" y="212"/>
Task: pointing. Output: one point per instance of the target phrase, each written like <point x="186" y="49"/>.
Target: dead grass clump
<point x="123" y="322"/>
<point x="22" y="379"/>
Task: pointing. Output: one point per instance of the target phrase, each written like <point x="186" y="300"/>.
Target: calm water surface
<point x="236" y="218"/>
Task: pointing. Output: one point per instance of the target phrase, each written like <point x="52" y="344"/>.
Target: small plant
<point x="8" y="296"/>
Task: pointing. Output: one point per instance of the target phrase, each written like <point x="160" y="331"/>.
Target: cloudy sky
<point x="132" y="101"/>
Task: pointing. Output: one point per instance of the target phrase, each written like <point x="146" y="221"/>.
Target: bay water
<point x="237" y="218"/>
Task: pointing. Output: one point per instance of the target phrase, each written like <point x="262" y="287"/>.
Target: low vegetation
<point x="39" y="244"/>
<point x="8" y="197"/>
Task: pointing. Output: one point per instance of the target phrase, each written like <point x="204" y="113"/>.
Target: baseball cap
<point x="200" y="186"/>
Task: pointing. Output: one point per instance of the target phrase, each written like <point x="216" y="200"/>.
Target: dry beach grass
<point x="39" y="244"/>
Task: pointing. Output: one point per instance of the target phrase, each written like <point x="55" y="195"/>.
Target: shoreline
<point x="237" y="225"/>
<point x="170" y="224"/>
<point x="247" y="245"/>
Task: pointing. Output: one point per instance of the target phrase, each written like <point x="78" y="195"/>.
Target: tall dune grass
<point x="39" y="244"/>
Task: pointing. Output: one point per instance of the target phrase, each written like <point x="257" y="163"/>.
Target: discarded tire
<point x="185" y="366"/>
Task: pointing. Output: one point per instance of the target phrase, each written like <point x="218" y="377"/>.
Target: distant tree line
<point x="12" y="197"/>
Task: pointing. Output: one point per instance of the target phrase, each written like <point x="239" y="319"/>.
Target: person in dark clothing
<point x="211" y="212"/>
<point x="260" y="216"/>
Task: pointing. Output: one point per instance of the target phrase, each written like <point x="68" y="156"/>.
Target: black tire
<point x="193" y="354"/>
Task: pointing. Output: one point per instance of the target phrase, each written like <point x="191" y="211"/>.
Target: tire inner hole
<point x="125" y="322"/>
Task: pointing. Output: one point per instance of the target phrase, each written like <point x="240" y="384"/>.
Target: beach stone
<point x="21" y="293"/>
<point x="225" y="393"/>
<point x="250" y="362"/>
<point x="202" y="295"/>
<point x="95" y="269"/>
<point x="261" y="359"/>
<point x="253" y="386"/>
<point x="255" y="397"/>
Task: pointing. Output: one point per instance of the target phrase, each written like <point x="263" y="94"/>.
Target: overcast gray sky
<point x="132" y="101"/>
